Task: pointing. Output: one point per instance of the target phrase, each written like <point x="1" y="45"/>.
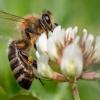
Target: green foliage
<point x="84" y="13"/>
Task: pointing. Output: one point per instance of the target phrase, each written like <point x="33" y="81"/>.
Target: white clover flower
<point x="87" y="40"/>
<point x="68" y="50"/>
<point x="42" y="43"/>
<point x="97" y="49"/>
<point x="89" y="43"/>
<point x="72" y="61"/>
<point x="58" y="36"/>
<point x="70" y="33"/>
<point x="52" y="49"/>
<point x="85" y="34"/>
<point x="43" y="68"/>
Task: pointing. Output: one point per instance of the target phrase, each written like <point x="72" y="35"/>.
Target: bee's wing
<point x="9" y="16"/>
<point x="8" y="24"/>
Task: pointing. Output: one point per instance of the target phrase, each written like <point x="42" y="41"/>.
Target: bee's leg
<point x="35" y="47"/>
<point x="34" y="64"/>
<point x="55" y="24"/>
<point x="30" y="61"/>
<point x="41" y="81"/>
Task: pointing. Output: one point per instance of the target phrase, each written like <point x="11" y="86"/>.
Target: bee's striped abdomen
<point x="19" y="65"/>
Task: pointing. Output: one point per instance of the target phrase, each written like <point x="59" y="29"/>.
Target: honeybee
<point x="31" y="27"/>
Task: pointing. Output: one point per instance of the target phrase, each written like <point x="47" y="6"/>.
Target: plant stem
<point x="75" y="91"/>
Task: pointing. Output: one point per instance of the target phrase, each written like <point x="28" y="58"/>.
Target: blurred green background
<point x="83" y="13"/>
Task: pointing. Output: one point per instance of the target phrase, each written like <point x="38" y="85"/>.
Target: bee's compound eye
<point x="46" y="17"/>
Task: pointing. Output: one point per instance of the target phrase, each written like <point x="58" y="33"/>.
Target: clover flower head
<point x="72" y="54"/>
<point x="70" y="51"/>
